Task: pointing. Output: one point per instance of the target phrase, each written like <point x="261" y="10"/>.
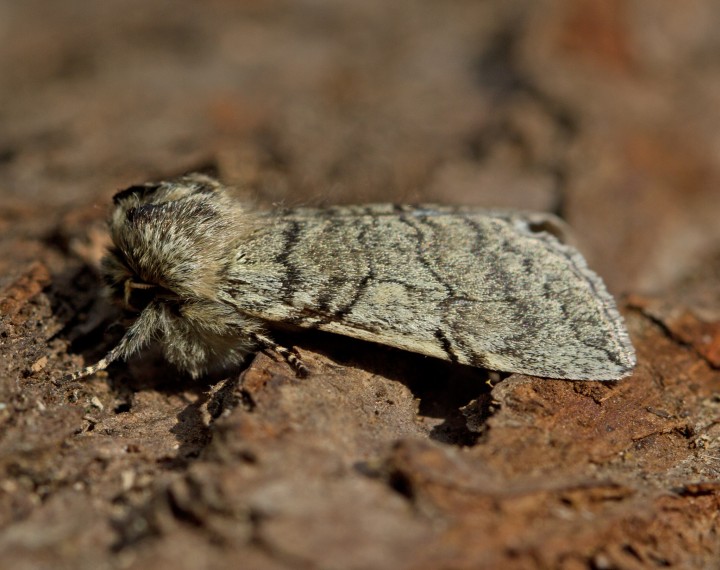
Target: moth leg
<point x="101" y="364"/>
<point x="130" y="285"/>
<point x="289" y="355"/>
<point x="138" y="335"/>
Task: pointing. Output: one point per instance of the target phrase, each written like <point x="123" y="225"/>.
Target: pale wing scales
<point x="473" y="287"/>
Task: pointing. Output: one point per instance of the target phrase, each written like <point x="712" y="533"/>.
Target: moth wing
<point x="484" y="288"/>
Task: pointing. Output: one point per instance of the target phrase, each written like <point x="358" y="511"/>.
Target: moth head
<point x="173" y="236"/>
<point x="136" y="210"/>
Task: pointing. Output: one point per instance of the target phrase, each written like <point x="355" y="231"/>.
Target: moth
<point x="210" y="277"/>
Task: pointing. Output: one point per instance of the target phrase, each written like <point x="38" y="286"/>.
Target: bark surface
<point x="604" y="112"/>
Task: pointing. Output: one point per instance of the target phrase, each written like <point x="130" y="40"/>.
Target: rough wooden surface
<point x="604" y="111"/>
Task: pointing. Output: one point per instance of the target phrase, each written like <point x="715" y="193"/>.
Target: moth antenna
<point x="289" y="355"/>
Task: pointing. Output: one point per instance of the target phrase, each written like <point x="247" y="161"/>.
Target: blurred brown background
<point x="606" y="112"/>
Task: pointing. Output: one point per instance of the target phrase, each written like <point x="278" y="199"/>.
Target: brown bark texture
<point x="606" y="112"/>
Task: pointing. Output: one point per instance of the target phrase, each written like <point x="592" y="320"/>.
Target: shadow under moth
<point x="208" y="277"/>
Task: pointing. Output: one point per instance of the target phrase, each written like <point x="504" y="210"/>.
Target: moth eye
<point x="141" y="191"/>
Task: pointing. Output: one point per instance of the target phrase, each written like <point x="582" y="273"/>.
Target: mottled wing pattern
<point x="474" y="287"/>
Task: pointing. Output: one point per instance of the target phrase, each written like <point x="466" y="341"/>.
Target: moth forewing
<point x="488" y="289"/>
<point x="472" y="287"/>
